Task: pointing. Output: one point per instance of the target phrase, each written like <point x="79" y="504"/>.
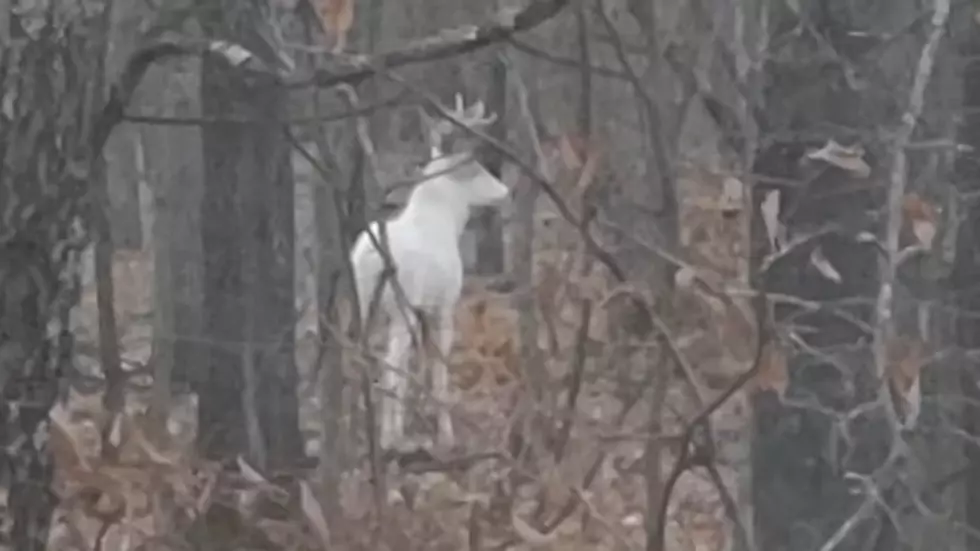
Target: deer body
<point x="423" y="243"/>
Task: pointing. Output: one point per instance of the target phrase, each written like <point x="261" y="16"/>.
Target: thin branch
<point x="447" y="43"/>
<point x="138" y="118"/>
<point x="535" y="52"/>
<point x="884" y="328"/>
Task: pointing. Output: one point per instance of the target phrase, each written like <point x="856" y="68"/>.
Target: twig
<point x="575" y="386"/>
<point x="884" y="328"/>
<point x="98" y="204"/>
<point x="533" y="51"/>
<point x="139" y="118"/>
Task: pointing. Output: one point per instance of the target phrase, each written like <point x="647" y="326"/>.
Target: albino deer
<point x="423" y="241"/>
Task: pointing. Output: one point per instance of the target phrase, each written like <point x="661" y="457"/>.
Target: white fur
<point x="423" y="241"/>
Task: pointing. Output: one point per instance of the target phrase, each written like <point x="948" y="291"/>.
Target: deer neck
<point x="437" y="215"/>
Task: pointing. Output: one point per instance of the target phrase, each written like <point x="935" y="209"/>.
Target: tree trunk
<point x="249" y="402"/>
<point x="120" y="153"/>
<point x="174" y="173"/>
<point x="487" y="222"/>
<point x="41" y="132"/>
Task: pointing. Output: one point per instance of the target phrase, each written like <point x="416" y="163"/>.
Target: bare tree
<point x="249" y="401"/>
<point x="47" y="134"/>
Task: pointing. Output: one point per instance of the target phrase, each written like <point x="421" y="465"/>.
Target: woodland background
<point x="733" y="304"/>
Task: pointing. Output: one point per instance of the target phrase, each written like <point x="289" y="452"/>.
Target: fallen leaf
<point x="824" y="266"/>
<point x="848" y="158"/>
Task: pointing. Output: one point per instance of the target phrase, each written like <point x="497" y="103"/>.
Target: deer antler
<point x="438" y="129"/>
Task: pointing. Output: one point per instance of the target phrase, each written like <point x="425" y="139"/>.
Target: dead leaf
<point x="337" y="16"/>
<point x="923" y="216"/>
<point x="773" y="372"/>
<point x="530" y="535"/>
<point x="770" y="216"/>
<point x="314" y="514"/>
<point x="848" y="158"/>
<point x="824" y="266"/>
<point x="569" y="148"/>
<point x="116" y="430"/>
<point x="249" y="473"/>
<point x="913" y="403"/>
<point x="684" y="278"/>
<point x="732" y="195"/>
<point x="925" y="232"/>
<point x="586" y="177"/>
<point x="235" y="54"/>
<point x="906" y="357"/>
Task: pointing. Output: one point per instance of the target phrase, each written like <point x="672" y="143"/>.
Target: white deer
<point x="423" y="242"/>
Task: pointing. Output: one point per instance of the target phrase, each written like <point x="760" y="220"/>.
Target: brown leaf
<point x="923" y="217"/>
<point x="906" y="357"/>
<point x="925" y="232"/>
<point x="773" y="373"/>
<point x="337" y="16"/>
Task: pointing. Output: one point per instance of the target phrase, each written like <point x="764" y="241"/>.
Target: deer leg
<point x="440" y="376"/>
<point x="394" y="384"/>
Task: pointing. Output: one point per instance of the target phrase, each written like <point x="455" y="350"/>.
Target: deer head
<point x="452" y="169"/>
<point x="459" y="176"/>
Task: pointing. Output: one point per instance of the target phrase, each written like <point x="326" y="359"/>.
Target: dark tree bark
<point x="489" y="227"/>
<point x="122" y="173"/>
<point x="248" y="236"/>
<point x="174" y="172"/>
<point x="799" y="460"/>
<point x="53" y="77"/>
